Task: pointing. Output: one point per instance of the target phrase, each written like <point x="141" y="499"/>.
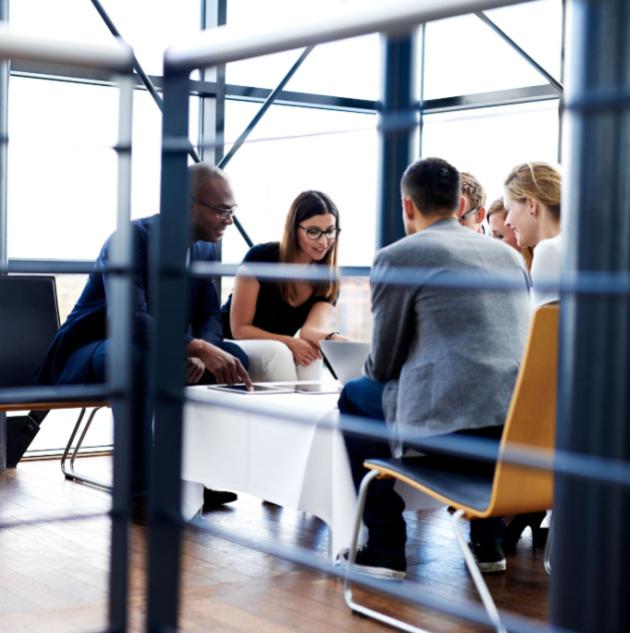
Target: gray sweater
<point x="449" y="356"/>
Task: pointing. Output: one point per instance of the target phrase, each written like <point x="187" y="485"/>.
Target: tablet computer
<point x="257" y="388"/>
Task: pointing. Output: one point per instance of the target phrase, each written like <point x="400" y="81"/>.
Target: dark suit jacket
<point x="68" y="358"/>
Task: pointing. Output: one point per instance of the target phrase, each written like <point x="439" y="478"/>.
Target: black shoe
<point x="212" y="499"/>
<point x="517" y="526"/>
<point x="373" y="563"/>
<point x="489" y="556"/>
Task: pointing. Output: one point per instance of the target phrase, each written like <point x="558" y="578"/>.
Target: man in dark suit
<point x="78" y="353"/>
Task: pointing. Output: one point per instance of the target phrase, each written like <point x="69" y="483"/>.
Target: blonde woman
<point x="500" y="231"/>
<point x="265" y="315"/>
<point x="532" y="200"/>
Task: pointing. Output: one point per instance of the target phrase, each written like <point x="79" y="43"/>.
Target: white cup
<point x="312" y="371"/>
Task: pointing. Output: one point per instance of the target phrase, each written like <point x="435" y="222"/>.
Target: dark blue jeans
<point x="383" y="513"/>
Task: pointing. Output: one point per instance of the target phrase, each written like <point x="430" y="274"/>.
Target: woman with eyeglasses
<point x="264" y="315"/>
<point x="532" y="201"/>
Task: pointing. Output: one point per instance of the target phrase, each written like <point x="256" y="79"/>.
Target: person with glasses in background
<point x="80" y="349"/>
<point x="264" y="315"/>
<point x="472" y="213"/>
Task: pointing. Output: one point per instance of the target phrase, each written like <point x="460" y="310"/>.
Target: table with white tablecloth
<point x="248" y="443"/>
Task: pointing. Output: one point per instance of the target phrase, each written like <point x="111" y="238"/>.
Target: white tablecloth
<point x="301" y="465"/>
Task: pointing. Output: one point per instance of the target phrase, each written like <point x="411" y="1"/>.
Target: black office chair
<point x="29" y="318"/>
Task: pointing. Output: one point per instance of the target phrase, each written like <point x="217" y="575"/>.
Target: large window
<point x="62" y="168"/>
<point x="488" y="142"/>
<point x="294" y="149"/>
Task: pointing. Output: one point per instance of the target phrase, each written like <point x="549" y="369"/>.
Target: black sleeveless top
<point x="273" y="313"/>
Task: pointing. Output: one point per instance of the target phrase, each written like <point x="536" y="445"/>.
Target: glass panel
<point x="488" y="142"/>
<point x="338" y="68"/>
<point x="147" y="25"/>
<point x="63" y="172"/>
<point x="293" y="149"/>
<point x="463" y="55"/>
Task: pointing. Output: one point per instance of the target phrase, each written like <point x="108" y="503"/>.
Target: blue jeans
<point x="383" y="513"/>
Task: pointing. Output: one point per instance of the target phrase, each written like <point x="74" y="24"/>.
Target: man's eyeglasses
<point x="313" y="233"/>
<point x="463" y="216"/>
<point x="223" y="212"/>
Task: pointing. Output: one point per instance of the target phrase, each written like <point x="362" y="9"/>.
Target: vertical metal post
<point x="120" y="370"/>
<point x="4" y="255"/>
<point x="591" y="556"/>
<point x="170" y="309"/>
<point x="398" y="123"/>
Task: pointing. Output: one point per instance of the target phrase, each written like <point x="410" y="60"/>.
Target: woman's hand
<point x="304" y="352"/>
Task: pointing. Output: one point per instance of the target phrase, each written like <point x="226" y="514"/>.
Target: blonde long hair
<point x="305" y="206"/>
<point x="539" y="181"/>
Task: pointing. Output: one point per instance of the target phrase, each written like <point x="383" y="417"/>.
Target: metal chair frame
<point x="530" y="422"/>
<point x="70" y="453"/>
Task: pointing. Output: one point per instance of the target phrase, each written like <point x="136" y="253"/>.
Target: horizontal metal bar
<point x="235" y="92"/>
<point x="350" y="19"/>
<point x="603" y="470"/>
<point x="57" y="518"/>
<point x="61" y="267"/>
<point x="498" y="98"/>
<point x="70" y="394"/>
<point x="464" y="609"/>
<point x="117" y="58"/>
<point x="585" y="282"/>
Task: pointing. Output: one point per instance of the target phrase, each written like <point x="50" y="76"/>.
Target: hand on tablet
<point x="223" y="366"/>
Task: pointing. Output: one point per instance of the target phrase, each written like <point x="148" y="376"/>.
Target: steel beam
<point x="4" y="253"/>
<point x="521" y="51"/>
<point x="169" y="275"/>
<point x="349" y="19"/>
<point x="396" y="143"/>
<point x="591" y="555"/>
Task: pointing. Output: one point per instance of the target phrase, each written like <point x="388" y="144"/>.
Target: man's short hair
<point x="433" y="186"/>
<point x="472" y="188"/>
<point x="201" y="174"/>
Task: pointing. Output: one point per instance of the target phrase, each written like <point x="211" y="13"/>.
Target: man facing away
<point x="443" y="360"/>
<point x="79" y="350"/>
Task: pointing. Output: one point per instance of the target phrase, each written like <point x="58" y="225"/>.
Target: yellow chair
<point x="511" y="489"/>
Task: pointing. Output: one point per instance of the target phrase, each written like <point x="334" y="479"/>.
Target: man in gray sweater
<point x="443" y="359"/>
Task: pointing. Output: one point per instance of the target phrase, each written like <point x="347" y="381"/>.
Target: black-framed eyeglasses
<point x="313" y="233"/>
<point x="463" y="216"/>
<point x="223" y="212"/>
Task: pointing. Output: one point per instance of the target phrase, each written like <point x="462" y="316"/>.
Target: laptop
<point x="345" y="358"/>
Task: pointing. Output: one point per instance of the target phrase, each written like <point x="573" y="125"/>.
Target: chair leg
<point x="347" y="590"/>
<point x="480" y="584"/>
<point x="68" y="470"/>
<point x="547" y="557"/>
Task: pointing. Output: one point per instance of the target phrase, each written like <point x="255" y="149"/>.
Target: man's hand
<point x="223" y="366"/>
<point x="194" y="370"/>
<point x="304" y="352"/>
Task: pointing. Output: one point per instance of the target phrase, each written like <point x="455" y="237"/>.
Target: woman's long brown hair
<point x="305" y="206"/>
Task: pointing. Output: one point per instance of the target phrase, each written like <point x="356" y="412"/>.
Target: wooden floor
<point x="54" y="576"/>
